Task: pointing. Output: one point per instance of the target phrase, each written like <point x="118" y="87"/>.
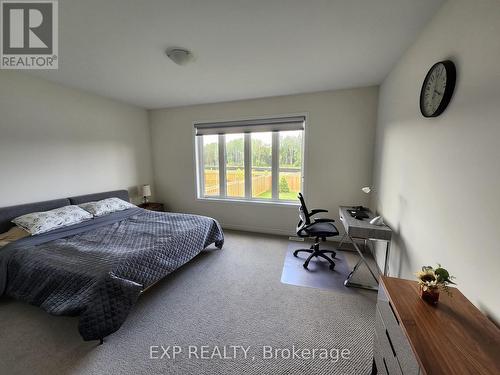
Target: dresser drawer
<point x="404" y="353"/>
<point x="377" y="357"/>
<point x="385" y="347"/>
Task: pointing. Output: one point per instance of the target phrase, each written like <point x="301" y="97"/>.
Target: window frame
<point x="248" y="199"/>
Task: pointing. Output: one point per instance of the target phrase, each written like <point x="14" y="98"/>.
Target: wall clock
<point x="437" y="88"/>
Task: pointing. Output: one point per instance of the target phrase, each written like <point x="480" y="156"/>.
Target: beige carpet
<point x="232" y="297"/>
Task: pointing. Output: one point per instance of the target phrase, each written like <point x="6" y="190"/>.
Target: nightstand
<point x="152" y="206"/>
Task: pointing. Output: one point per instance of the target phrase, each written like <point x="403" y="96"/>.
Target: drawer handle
<point x="390" y="343"/>
<point x="393" y="313"/>
<point x="385" y="365"/>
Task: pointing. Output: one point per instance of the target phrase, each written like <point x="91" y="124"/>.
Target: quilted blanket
<point x="98" y="269"/>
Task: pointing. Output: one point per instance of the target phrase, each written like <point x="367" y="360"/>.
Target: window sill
<point x="255" y="202"/>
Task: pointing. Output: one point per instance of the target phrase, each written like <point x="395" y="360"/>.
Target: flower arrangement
<point x="431" y="280"/>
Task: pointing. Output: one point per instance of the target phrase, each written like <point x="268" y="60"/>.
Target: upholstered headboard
<point x="9" y="213"/>
<point x="122" y="194"/>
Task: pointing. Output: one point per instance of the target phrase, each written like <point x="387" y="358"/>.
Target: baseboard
<point x="347" y="245"/>
<point x="255" y="229"/>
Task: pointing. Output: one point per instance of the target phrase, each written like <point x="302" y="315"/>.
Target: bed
<point x="97" y="269"/>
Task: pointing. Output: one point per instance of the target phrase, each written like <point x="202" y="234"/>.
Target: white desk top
<point x="362" y="228"/>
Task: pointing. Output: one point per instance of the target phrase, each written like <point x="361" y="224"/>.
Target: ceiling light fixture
<point x="180" y="56"/>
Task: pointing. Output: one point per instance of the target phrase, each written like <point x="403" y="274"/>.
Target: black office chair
<point x="319" y="229"/>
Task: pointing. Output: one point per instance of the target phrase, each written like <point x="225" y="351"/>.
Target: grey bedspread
<point x="97" y="270"/>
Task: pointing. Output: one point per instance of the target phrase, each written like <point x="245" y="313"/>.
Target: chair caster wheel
<point x="332" y="268"/>
<point x="295" y="254"/>
<point x="305" y="266"/>
<point x="334" y="254"/>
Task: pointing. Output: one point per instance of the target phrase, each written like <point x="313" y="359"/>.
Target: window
<point x="211" y="165"/>
<point x="235" y="165"/>
<point x="290" y="164"/>
<point x="252" y="160"/>
<point x="262" y="165"/>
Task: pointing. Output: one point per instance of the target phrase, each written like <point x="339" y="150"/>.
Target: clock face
<point x="437" y="89"/>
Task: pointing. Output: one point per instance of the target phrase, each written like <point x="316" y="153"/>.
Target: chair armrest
<point x="316" y="211"/>
<point x="324" y="220"/>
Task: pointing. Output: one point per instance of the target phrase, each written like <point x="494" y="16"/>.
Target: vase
<point x="429" y="295"/>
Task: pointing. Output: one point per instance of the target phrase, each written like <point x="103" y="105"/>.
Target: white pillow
<point x="41" y="222"/>
<point x="106" y="206"/>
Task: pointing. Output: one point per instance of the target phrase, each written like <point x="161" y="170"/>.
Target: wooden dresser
<point x="413" y="337"/>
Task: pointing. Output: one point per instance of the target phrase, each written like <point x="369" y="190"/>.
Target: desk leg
<point x="353" y="271"/>
<point x="387" y="254"/>
<point x="362" y="259"/>
<point x="342" y="241"/>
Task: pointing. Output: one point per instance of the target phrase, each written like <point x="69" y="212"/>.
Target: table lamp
<point x="377" y="220"/>
<point x="146" y="192"/>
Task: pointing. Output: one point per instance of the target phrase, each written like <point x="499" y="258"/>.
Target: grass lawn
<point x="285" y="196"/>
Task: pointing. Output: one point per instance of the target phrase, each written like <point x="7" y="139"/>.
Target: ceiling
<point x="243" y="48"/>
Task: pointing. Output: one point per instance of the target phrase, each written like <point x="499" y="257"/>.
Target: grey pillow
<point x="106" y="206"/>
<point x="42" y="222"/>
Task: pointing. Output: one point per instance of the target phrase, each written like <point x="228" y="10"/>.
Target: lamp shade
<point x="146" y="190"/>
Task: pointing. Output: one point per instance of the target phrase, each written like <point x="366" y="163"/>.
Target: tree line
<point x="290" y="152"/>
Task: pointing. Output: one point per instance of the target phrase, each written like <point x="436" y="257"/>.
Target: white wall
<point x="56" y="142"/>
<point x="437" y="181"/>
<point x="339" y="147"/>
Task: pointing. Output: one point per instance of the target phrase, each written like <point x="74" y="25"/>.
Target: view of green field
<point x="290" y="163"/>
<point x="285" y="196"/>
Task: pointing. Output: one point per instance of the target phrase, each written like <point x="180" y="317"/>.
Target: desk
<point x="362" y="229"/>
